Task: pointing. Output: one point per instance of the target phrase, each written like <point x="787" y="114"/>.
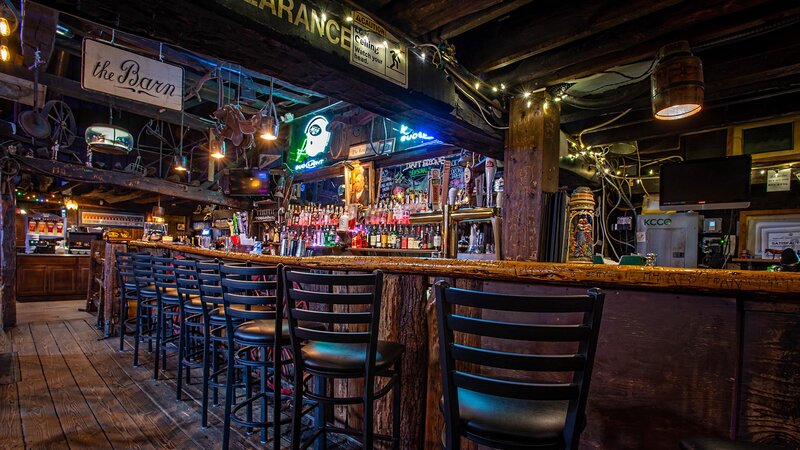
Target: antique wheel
<point x="62" y="123"/>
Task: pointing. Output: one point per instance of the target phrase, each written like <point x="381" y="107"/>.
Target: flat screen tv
<point x="247" y="182"/>
<point x="716" y="183"/>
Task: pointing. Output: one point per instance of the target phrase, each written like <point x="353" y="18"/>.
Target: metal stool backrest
<point x="163" y="275"/>
<point x="143" y="270"/>
<point x="324" y="292"/>
<point x="255" y="290"/>
<point x="186" y="277"/>
<point x="210" y="287"/>
<point x="476" y="379"/>
<point x="124" y="263"/>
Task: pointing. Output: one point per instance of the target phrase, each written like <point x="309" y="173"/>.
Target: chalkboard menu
<point x="414" y="176"/>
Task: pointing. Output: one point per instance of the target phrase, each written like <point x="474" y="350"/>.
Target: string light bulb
<point x="348" y="19"/>
<point x="5" y="53"/>
<point x="477" y="85"/>
<point x="526" y="94"/>
<point x="5" y="28"/>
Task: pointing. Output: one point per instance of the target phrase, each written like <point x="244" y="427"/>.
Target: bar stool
<point x="246" y="296"/>
<point x="167" y="309"/>
<point x="347" y="347"/>
<point x="190" y="354"/>
<point x="127" y="291"/>
<point x="516" y="413"/>
<point x="146" y="303"/>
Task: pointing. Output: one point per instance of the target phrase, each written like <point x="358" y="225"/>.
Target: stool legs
<point x="159" y="331"/>
<point x="182" y="341"/>
<point x="226" y="427"/>
<point x="123" y="317"/>
<point x="276" y="403"/>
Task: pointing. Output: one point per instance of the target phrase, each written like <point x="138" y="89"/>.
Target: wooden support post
<point x="531" y="169"/>
<point x="8" y="257"/>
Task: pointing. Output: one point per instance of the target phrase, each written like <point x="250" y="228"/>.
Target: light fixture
<point x="180" y="163"/>
<point x="158" y="212"/>
<point x="5" y="27"/>
<point x="109" y="138"/>
<point x="677" y="87"/>
<point x="71" y="204"/>
<point x="22" y="211"/>
<point x="5" y="53"/>
<point x="216" y="145"/>
<point x="270" y="125"/>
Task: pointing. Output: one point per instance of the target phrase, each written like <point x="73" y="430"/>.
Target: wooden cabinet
<point x="51" y="277"/>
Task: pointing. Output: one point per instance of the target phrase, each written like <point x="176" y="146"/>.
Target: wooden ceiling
<point x="750" y="50"/>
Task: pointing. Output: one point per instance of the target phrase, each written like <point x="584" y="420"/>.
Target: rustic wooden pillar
<point x="8" y="256"/>
<point x="531" y="169"/>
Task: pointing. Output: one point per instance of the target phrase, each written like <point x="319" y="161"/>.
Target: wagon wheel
<point x="62" y="122"/>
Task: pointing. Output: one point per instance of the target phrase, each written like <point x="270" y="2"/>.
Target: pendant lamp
<point x="270" y="125"/>
<point x="108" y="138"/>
<point x="677" y="82"/>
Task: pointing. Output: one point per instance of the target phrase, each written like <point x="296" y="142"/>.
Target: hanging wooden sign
<point x="112" y="70"/>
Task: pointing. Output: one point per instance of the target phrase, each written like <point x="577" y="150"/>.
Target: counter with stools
<point x="250" y="294"/>
<point x="486" y="403"/>
<point x="345" y="346"/>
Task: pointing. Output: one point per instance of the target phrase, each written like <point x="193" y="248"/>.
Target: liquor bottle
<point x="437" y="239"/>
<point x="393" y="238"/>
<point x="384" y="238"/>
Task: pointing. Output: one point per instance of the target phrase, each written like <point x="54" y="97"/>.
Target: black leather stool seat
<point x="259" y="331"/>
<point x="347" y="358"/>
<point x="510" y="420"/>
<point x="722" y="444"/>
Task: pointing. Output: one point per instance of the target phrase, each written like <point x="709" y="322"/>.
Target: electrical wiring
<point x="480" y="109"/>
<point x="606" y="123"/>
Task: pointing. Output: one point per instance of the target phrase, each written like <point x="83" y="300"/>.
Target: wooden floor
<point x="71" y="389"/>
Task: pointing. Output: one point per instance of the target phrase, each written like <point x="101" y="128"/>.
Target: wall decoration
<point x="112" y="70"/>
<point x="377" y="51"/>
<point x="581" y="226"/>
<point x="358" y="183"/>
<point x="97" y="218"/>
<point x="310" y="143"/>
<point x="413" y="176"/>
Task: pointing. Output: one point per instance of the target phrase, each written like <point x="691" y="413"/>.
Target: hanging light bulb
<point x="180" y="163"/>
<point x="270" y="125"/>
<point x="5" y="28"/>
<point x="216" y="145"/>
<point x="70" y="204"/>
<point x="5" y="53"/>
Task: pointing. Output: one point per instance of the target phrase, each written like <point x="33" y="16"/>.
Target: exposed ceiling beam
<point x="418" y="17"/>
<point x="536" y="29"/>
<point x="127" y="180"/>
<point x="276" y="47"/>
<point x="709" y="119"/>
<point x="640" y="40"/>
<point x="70" y="88"/>
<point x="474" y="20"/>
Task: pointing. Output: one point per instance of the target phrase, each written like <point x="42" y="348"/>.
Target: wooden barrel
<point x="677" y="83"/>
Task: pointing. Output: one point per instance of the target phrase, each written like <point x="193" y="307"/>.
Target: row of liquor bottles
<point x="296" y="240"/>
<point x="389" y="212"/>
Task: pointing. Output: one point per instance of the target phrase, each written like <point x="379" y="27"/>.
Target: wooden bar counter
<point x="682" y="352"/>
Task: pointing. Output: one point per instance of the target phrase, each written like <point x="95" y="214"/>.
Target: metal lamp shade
<point x="109" y="139"/>
<point x="677" y="83"/>
<point x="158" y="211"/>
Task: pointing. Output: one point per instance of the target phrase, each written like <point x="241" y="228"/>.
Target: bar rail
<point x="734" y="283"/>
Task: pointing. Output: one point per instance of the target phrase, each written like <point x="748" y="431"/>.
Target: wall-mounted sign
<point x="779" y="180"/>
<point x="377" y="148"/>
<point x="377" y="51"/>
<point x="108" y="219"/>
<point x="265" y="215"/>
<point x="112" y="70"/>
<point x="309" y="164"/>
<point x="409" y="135"/>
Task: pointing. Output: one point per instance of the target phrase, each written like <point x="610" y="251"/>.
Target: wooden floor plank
<point x="40" y="424"/>
<point x="161" y="428"/>
<point x="118" y="425"/>
<point x="10" y="423"/>
<point x="77" y="419"/>
<point x="186" y="414"/>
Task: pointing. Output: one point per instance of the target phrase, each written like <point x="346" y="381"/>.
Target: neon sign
<point x="317" y="137"/>
<point x="309" y="164"/>
<point x="409" y="135"/>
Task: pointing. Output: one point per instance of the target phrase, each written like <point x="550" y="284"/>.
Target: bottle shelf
<point x="418" y="251"/>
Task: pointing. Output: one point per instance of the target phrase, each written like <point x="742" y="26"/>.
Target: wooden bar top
<point x="734" y="283"/>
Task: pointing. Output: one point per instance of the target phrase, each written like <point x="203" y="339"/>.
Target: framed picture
<point x="358" y="183"/>
<point x="773" y="140"/>
<point x="764" y="233"/>
<point x="181" y="227"/>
